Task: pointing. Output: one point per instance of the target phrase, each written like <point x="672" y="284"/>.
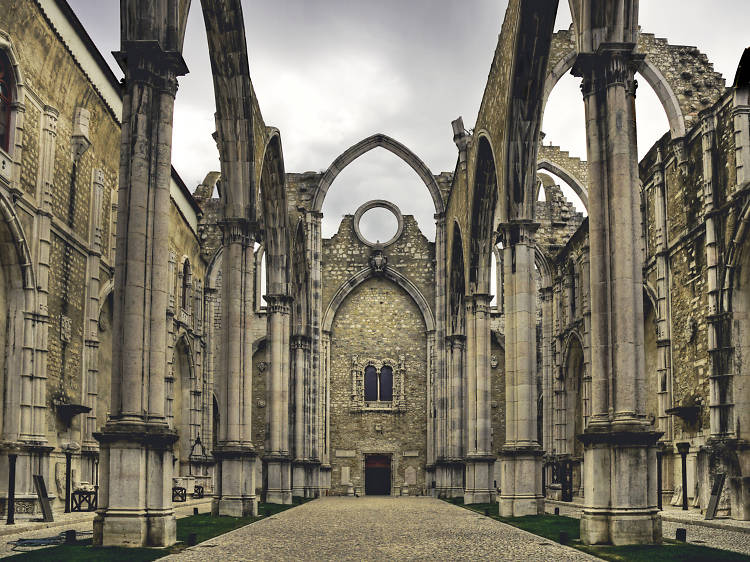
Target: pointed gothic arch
<point x="392" y="275"/>
<point x="364" y="146"/>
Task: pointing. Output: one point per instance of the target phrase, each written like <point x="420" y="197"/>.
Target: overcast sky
<point x="329" y="73"/>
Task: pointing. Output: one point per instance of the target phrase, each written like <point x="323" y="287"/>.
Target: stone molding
<point x="358" y="402"/>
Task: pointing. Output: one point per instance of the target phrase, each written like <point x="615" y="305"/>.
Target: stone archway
<point x="364" y="146"/>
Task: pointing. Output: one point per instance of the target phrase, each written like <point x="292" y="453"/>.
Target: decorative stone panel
<point x="359" y="404"/>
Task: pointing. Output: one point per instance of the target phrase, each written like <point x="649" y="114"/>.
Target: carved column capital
<point x="279" y="304"/>
<point x="300" y="341"/>
<point x="237" y="231"/>
<point x="613" y="64"/>
<point x="518" y="232"/>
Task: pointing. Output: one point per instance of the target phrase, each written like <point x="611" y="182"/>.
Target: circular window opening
<point x="378" y="225"/>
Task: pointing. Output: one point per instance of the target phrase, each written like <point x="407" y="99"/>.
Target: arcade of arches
<point x="233" y="347"/>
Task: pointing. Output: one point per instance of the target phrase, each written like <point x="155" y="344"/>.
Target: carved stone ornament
<point x="66" y="328"/>
<point x="493" y="362"/>
<point x="690" y="330"/>
<point x="261" y="403"/>
<point x="378" y="261"/>
<point x="262" y="366"/>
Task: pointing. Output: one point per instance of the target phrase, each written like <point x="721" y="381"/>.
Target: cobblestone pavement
<point x="726" y="539"/>
<point x="375" y="528"/>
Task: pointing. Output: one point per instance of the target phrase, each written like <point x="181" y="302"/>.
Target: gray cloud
<point x="329" y="73"/>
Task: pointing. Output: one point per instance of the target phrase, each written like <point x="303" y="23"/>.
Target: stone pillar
<point x="277" y="456"/>
<point x="300" y="346"/>
<point x="480" y="462"/>
<point x="455" y="449"/>
<point x="547" y="370"/>
<point x="317" y="404"/>
<point x="135" y="494"/>
<point x="521" y="475"/>
<point x="440" y="385"/>
<point x="234" y="493"/>
<point x="740" y="480"/>
<point x="619" y="448"/>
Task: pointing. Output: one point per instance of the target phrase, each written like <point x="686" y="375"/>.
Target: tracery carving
<point x="358" y="402"/>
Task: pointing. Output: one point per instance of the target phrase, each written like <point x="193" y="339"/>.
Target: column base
<point x="235" y="487"/>
<point x="442" y="479"/>
<point x="620" y="527"/>
<point x="521" y="481"/>
<point x="478" y="487"/>
<point x="620" y="485"/>
<point x="235" y="506"/>
<point x="279" y="480"/>
<point x="299" y="478"/>
<point x="135" y="529"/>
<point x="312" y="479"/>
<point x="739" y="496"/>
<point x="136" y="486"/>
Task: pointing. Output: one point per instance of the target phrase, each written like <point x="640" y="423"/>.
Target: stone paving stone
<point x="378" y="528"/>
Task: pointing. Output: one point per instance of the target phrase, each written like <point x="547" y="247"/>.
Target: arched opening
<point x="7" y="99"/>
<point x="574" y="419"/>
<point x="652" y="360"/>
<point x="187" y="283"/>
<point x="104" y="363"/>
<point x="15" y="280"/>
<point x="565" y="123"/>
<point x="483" y="208"/>
<point x="457" y="288"/>
<point x="181" y="407"/>
<point x="216" y="421"/>
<point x="570" y="192"/>
<point x="378" y="174"/>
<point x="261" y="278"/>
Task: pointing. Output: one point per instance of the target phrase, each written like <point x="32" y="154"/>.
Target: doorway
<point x="378" y="475"/>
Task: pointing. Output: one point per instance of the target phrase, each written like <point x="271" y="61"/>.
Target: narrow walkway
<point x="378" y="528"/>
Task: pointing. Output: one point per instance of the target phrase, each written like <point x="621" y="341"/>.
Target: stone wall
<point x="378" y="320"/>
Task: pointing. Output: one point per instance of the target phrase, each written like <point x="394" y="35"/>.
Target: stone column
<point x="300" y="346"/>
<point x="277" y="456"/>
<point x="479" y="459"/>
<point x="136" y="443"/>
<point x="521" y="475"/>
<point x="440" y="385"/>
<point x="454" y="460"/>
<point x="620" y="453"/>
<point x="547" y="371"/>
<point x="739" y="483"/>
<point x="234" y="493"/>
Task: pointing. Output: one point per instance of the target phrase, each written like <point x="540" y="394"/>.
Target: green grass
<point x="549" y="527"/>
<point x="204" y="526"/>
<point x="84" y="552"/>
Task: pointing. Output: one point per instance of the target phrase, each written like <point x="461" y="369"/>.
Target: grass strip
<point x="549" y="527"/>
<point x="203" y="525"/>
